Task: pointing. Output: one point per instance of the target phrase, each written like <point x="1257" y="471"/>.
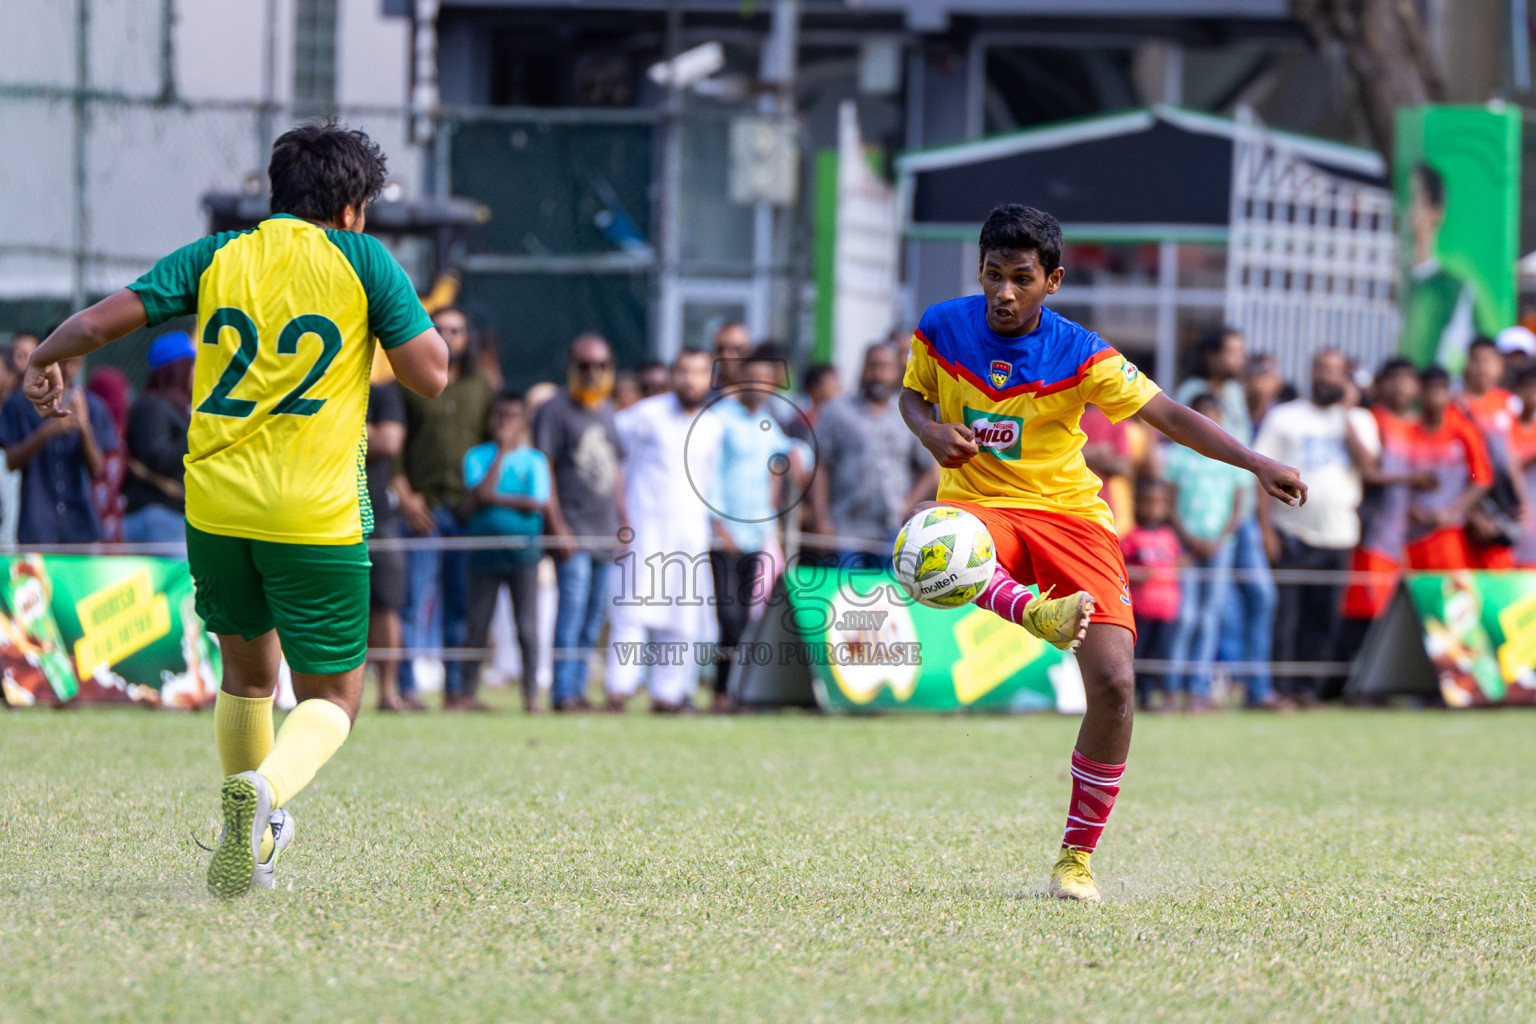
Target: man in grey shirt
<point x="575" y="431"/>
<point x="871" y="470"/>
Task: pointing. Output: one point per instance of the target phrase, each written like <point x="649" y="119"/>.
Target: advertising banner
<point x="107" y="628"/>
<point x="1469" y="637"/>
<point x="856" y="643"/>
<point x="1456" y="172"/>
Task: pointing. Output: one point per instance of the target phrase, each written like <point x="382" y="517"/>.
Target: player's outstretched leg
<point x="1060" y="621"/>
<point x="310" y="736"/>
<point x="1099" y="759"/>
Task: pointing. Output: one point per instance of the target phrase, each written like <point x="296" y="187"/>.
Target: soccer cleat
<point x="1072" y="879"/>
<point x="247" y="805"/>
<point x="1059" y="621"/>
<point x="282" y="834"/>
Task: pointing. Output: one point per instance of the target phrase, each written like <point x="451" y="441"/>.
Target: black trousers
<point x="1307" y="616"/>
<point x="741" y="579"/>
<point x="1154" y="641"/>
<point x="523" y="587"/>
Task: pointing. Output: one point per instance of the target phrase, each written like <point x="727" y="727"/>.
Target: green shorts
<point x="314" y="595"/>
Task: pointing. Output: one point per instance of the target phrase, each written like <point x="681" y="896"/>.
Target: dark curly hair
<point x="1014" y="227"/>
<point x="319" y="168"/>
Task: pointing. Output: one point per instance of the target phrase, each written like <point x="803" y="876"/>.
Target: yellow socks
<point x="242" y="727"/>
<point x="313" y="731"/>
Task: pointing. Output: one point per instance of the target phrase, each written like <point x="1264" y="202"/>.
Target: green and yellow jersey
<point x="287" y="314"/>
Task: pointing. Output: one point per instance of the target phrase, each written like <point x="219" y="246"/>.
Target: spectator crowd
<point x="596" y="497"/>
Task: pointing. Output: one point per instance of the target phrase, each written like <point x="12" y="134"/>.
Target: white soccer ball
<point x="944" y="557"/>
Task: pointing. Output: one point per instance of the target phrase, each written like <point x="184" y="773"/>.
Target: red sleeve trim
<point x="1036" y="388"/>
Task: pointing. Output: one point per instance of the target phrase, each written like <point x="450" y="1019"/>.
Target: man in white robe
<point x="662" y="589"/>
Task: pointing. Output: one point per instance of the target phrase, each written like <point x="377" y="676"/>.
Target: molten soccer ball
<point x="944" y="557"/>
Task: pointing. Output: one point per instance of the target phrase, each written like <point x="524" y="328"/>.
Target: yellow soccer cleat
<point x="1072" y="879"/>
<point x="1059" y="621"/>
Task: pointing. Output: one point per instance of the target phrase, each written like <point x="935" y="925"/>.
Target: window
<point x="314" y="56"/>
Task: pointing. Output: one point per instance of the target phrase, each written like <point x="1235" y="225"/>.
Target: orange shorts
<point x="1490" y="556"/>
<point x="1445" y="550"/>
<point x="1370" y="598"/>
<point x="1067" y="553"/>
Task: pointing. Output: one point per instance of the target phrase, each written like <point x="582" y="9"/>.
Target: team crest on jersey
<point x="1130" y="370"/>
<point x="1002" y="369"/>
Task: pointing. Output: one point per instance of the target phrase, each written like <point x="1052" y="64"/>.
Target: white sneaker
<point x="247" y="804"/>
<point x="282" y="835"/>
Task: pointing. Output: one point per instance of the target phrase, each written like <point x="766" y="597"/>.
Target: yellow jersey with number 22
<point x="287" y="314"/>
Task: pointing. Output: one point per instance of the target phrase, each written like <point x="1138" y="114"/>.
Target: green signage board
<point x="1480" y="634"/>
<point x="1468" y="637"/>
<point x="1456" y="172"/>
<point x="867" y="647"/>
<point x="107" y="628"/>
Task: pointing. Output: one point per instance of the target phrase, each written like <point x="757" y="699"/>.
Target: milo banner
<point x="854" y="642"/>
<point x="1467" y="637"/>
<point x="1456" y="171"/>
<point x="102" y="628"/>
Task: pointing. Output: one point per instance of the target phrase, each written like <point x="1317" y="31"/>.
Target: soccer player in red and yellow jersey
<point x="995" y="389"/>
<point x="277" y="498"/>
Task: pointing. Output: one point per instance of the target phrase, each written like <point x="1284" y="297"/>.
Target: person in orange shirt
<point x="1493" y="411"/>
<point x="1384" y="511"/>
<point x="1446" y="443"/>
<point x="1522" y="446"/>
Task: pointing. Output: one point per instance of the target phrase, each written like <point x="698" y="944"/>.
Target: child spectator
<point x="1205" y="515"/>
<point x="508" y="483"/>
<point x="1152" y="546"/>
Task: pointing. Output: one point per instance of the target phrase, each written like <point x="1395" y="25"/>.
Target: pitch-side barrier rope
<point x="818" y="542"/>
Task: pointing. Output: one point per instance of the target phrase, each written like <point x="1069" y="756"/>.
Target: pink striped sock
<point x="1005" y="596"/>
<point x="1094" y="788"/>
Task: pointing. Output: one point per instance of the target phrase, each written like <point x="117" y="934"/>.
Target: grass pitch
<point x="1337" y="866"/>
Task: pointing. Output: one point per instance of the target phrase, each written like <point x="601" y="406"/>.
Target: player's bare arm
<point x="951" y="444"/>
<point x="1189" y="428"/>
<point x="80" y="335"/>
<point x="421" y="364"/>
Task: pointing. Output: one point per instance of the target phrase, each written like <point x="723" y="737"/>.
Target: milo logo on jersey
<point x="1001" y="435"/>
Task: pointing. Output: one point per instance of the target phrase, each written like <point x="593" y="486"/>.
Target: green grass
<point x="1337" y="866"/>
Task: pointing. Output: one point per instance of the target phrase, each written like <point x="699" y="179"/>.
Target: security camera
<point x="689" y="67"/>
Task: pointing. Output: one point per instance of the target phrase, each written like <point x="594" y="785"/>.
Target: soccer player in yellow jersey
<point x="995" y="387"/>
<point x="277" y="498"/>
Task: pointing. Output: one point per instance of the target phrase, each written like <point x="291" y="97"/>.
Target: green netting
<point x="556" y="188"/>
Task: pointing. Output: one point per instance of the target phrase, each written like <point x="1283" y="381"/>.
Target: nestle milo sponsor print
<point x="995" y="433"/>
